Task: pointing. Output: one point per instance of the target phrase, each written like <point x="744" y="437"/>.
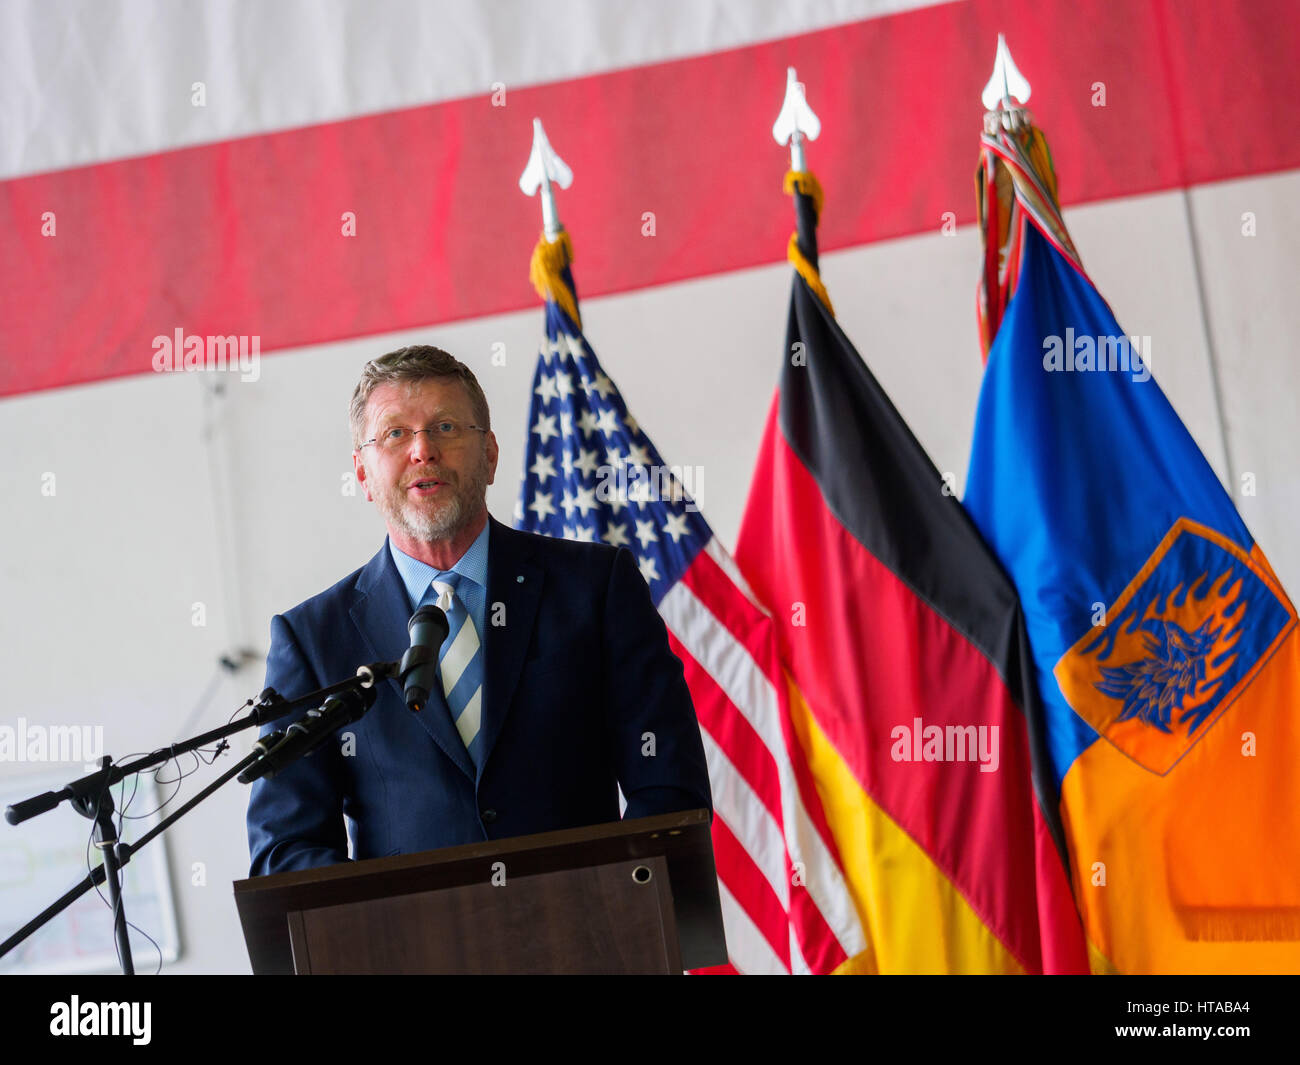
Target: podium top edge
<point x="685" y="822"/>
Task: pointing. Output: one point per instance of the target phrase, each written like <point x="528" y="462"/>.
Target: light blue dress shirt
<point x="473" y="569"/>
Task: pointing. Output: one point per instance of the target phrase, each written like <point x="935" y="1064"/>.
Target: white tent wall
<point x="1254" y="319"/>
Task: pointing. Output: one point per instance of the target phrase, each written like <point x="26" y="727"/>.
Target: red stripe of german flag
<point x="891" y="608"/>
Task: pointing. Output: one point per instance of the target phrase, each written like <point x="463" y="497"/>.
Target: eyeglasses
<point x="442" y="433"/>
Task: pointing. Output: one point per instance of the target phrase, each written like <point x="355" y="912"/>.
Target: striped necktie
<point x="460" y="663"/>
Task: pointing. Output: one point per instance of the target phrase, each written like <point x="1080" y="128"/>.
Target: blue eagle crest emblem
<point x="1154" y="687"/>
<point x="1177" y="647"/>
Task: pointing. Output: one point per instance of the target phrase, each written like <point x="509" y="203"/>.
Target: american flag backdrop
<point x="591" y="473"/>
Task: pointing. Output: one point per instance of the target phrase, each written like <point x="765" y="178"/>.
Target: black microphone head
<point x="428" y="629"/>
<point x="429" y="615"/>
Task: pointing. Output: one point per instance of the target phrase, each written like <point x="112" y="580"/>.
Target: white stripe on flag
<point x="749" y="820"/>
<point x="798" y="963"/>
<point x="727" y="564"/>
<point x="750" y="690"/>
<point x="747" y="950"/>
<point x="321" y="62"/>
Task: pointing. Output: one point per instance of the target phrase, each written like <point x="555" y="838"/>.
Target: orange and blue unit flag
<point x="1165" y="649"/>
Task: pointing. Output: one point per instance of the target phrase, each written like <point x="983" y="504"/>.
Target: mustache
<point x="445" y="476"/>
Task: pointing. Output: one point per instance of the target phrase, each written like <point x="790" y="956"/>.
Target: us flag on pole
<point x="592" y="474"/>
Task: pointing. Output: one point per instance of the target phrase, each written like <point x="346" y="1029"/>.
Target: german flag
<point x="918" y="714"/>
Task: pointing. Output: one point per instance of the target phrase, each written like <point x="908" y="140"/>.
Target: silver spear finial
<point x="544" y="167"/>
<point x="796" y="121"/>
<point x="1007" y="92"/>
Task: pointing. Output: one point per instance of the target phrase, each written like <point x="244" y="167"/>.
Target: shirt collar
<point x="417" y="575"/>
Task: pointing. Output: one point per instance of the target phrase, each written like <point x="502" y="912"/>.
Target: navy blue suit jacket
<point x="574" y="679"/>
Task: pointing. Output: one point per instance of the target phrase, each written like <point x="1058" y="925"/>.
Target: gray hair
<point x="418" y="362"/>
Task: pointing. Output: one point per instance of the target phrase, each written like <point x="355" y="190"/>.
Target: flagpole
<point x="1004" y="98"/>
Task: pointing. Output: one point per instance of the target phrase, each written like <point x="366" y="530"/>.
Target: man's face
<point x="462" y="469"/>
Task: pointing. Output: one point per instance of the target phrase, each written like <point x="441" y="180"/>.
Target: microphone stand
<point x="91" y="797"/>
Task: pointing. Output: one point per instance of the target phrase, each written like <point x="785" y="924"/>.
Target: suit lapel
<point x="380" y="613"/>
<point x="514" y="594"/>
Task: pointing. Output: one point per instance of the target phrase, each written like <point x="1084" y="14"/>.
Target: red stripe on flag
<point x="731" y="731"/>
<point x="751" y="890"/>
<point x="716" y="970"/>
<point x="1065" y="950"/>
<point x="867" y="663"/>
<point x="751" y="626"/>
<point x="244" y="237"/>
<point x="817" y="940"/>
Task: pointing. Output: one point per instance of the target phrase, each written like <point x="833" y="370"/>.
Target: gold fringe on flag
<point x="1015" y="176"/>
<point x="806" y="183"/>
<point x="544" y="271"/>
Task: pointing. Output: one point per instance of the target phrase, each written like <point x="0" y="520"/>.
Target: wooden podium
<point x="636" y="896"/>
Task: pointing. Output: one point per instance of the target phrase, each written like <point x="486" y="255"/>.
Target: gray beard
<point x="430" y="527"/>
<point x="458" y="512"/>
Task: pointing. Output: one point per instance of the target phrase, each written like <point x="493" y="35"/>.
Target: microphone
<point x="305" y="736"/>
<point x="419" y="668"/>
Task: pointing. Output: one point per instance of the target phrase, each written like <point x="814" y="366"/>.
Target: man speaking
<point x="555" y="684"/>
